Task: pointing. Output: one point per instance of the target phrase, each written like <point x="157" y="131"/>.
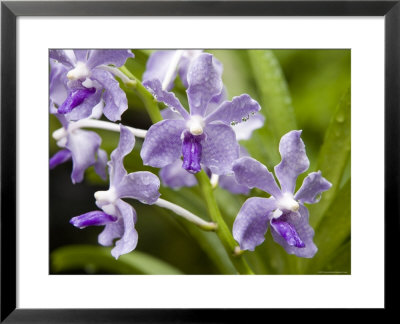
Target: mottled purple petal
<point x="305" y="232"/>
<point x="168" y="113"/>
<point x="157" y="66"/>
<point x="106" y="57"/>
<point x="252" y="221"/>
<point x="65" y="57"/>
<point x="244" y="130"/>
<point x="174" y="176"/>
<point x="163" y="144"/>
<point x="125" y="146"/>
<point x="59" y="158"/>
<point x="154" y="86"/>
<point x="253" y="174"/>
<point x="186" y="59"/>
<point x="294" y="160"/>
<point x="228" y="182"/>
<point x="75" y="98"/>
<point x="142" y="185"/>
<point x="57" y="83"/>
<point x="114" y="97"/>
<point x="204" y="79"/>
<point x="83" y="146"/>
<point x="111" y="232"/>
<point x="93" y="218"/>
<point x="313" y="185"/>
<point x="100" y="165"/>
<point x="220" y="148"/>
<point x="129" y="239"/>
<point x="81" y="55"/>
<point x="191" y="152"/>
<point x="239" y="109"/>
<point x="216" y="101"/>
<point x="287" y="232"/>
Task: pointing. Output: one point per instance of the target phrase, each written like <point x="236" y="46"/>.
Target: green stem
<point x="149" y="101"/>
<point x="222" y="231"/>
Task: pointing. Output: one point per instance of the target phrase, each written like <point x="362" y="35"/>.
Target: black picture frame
<point x="10" y="10"/>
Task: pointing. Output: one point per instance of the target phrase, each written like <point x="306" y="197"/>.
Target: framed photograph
<point x="163" y="159"/>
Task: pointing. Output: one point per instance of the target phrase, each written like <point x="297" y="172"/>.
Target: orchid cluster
<point x="204" y="137"/>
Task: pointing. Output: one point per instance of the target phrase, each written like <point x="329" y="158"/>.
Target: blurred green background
<point x="297" y="89"/>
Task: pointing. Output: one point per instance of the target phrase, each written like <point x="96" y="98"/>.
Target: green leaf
<point x="333" y="230"/>
<point x="333" y="156"/>
<point x="276" y="104"/>
<point x="96" y="258"/>
<point x="340" y="264"/>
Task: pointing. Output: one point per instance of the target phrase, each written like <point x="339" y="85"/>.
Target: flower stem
<point x="100" y="124"/>
<point x="149" y="101"/>
<point x="207" y="226"/>
<point x="222" y="231"/>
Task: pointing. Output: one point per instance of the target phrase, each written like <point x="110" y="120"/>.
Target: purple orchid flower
<point x="118" y="216"/>
<point x="82" y="146"/>
<point x="284" y="212"/>
<point x="175" y="177"/>
<point x="202" y="139"/>
<point x="86" y="82"/>
<point x="165" y="65"/>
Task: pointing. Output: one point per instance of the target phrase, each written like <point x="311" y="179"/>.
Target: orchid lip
<point x="191" y="151"/>
<point x="74" y="99"/>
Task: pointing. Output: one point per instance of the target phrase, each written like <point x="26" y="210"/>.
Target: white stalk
<point x="172" y="68"/>
<point x="208" y="226"/>
<point x="116" y="72"/>
<point x="101" y="124"/>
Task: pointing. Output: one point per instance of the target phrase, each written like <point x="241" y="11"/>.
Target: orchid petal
<point x="169" y="98"/>
<point x="313" y="185"/>
<point x="157" y="66"/>
<point x="294" y="160"/>
<point x="219" y="148"/>
<point x="244" y="130"/>
<point x="236" y="111"/>
<point x="174" y="176"/>
<point x="125" y="146"/>
<point x="129" y="239"/>
<point x="204" y="79"/>
<point x="100" y="165"/>
<point x="81" y="55"/>
<point x="228" y="182"/>
<point x="163" y="144"/>
<point x="66" y="57"/>
<point x="252" y="221"/>
<point x="114" y="97"/>
<point x="253" y="174"/>
<point x="83" y="146"/>
<point x="106" y="57"/>
<point x="142" y="185"/>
